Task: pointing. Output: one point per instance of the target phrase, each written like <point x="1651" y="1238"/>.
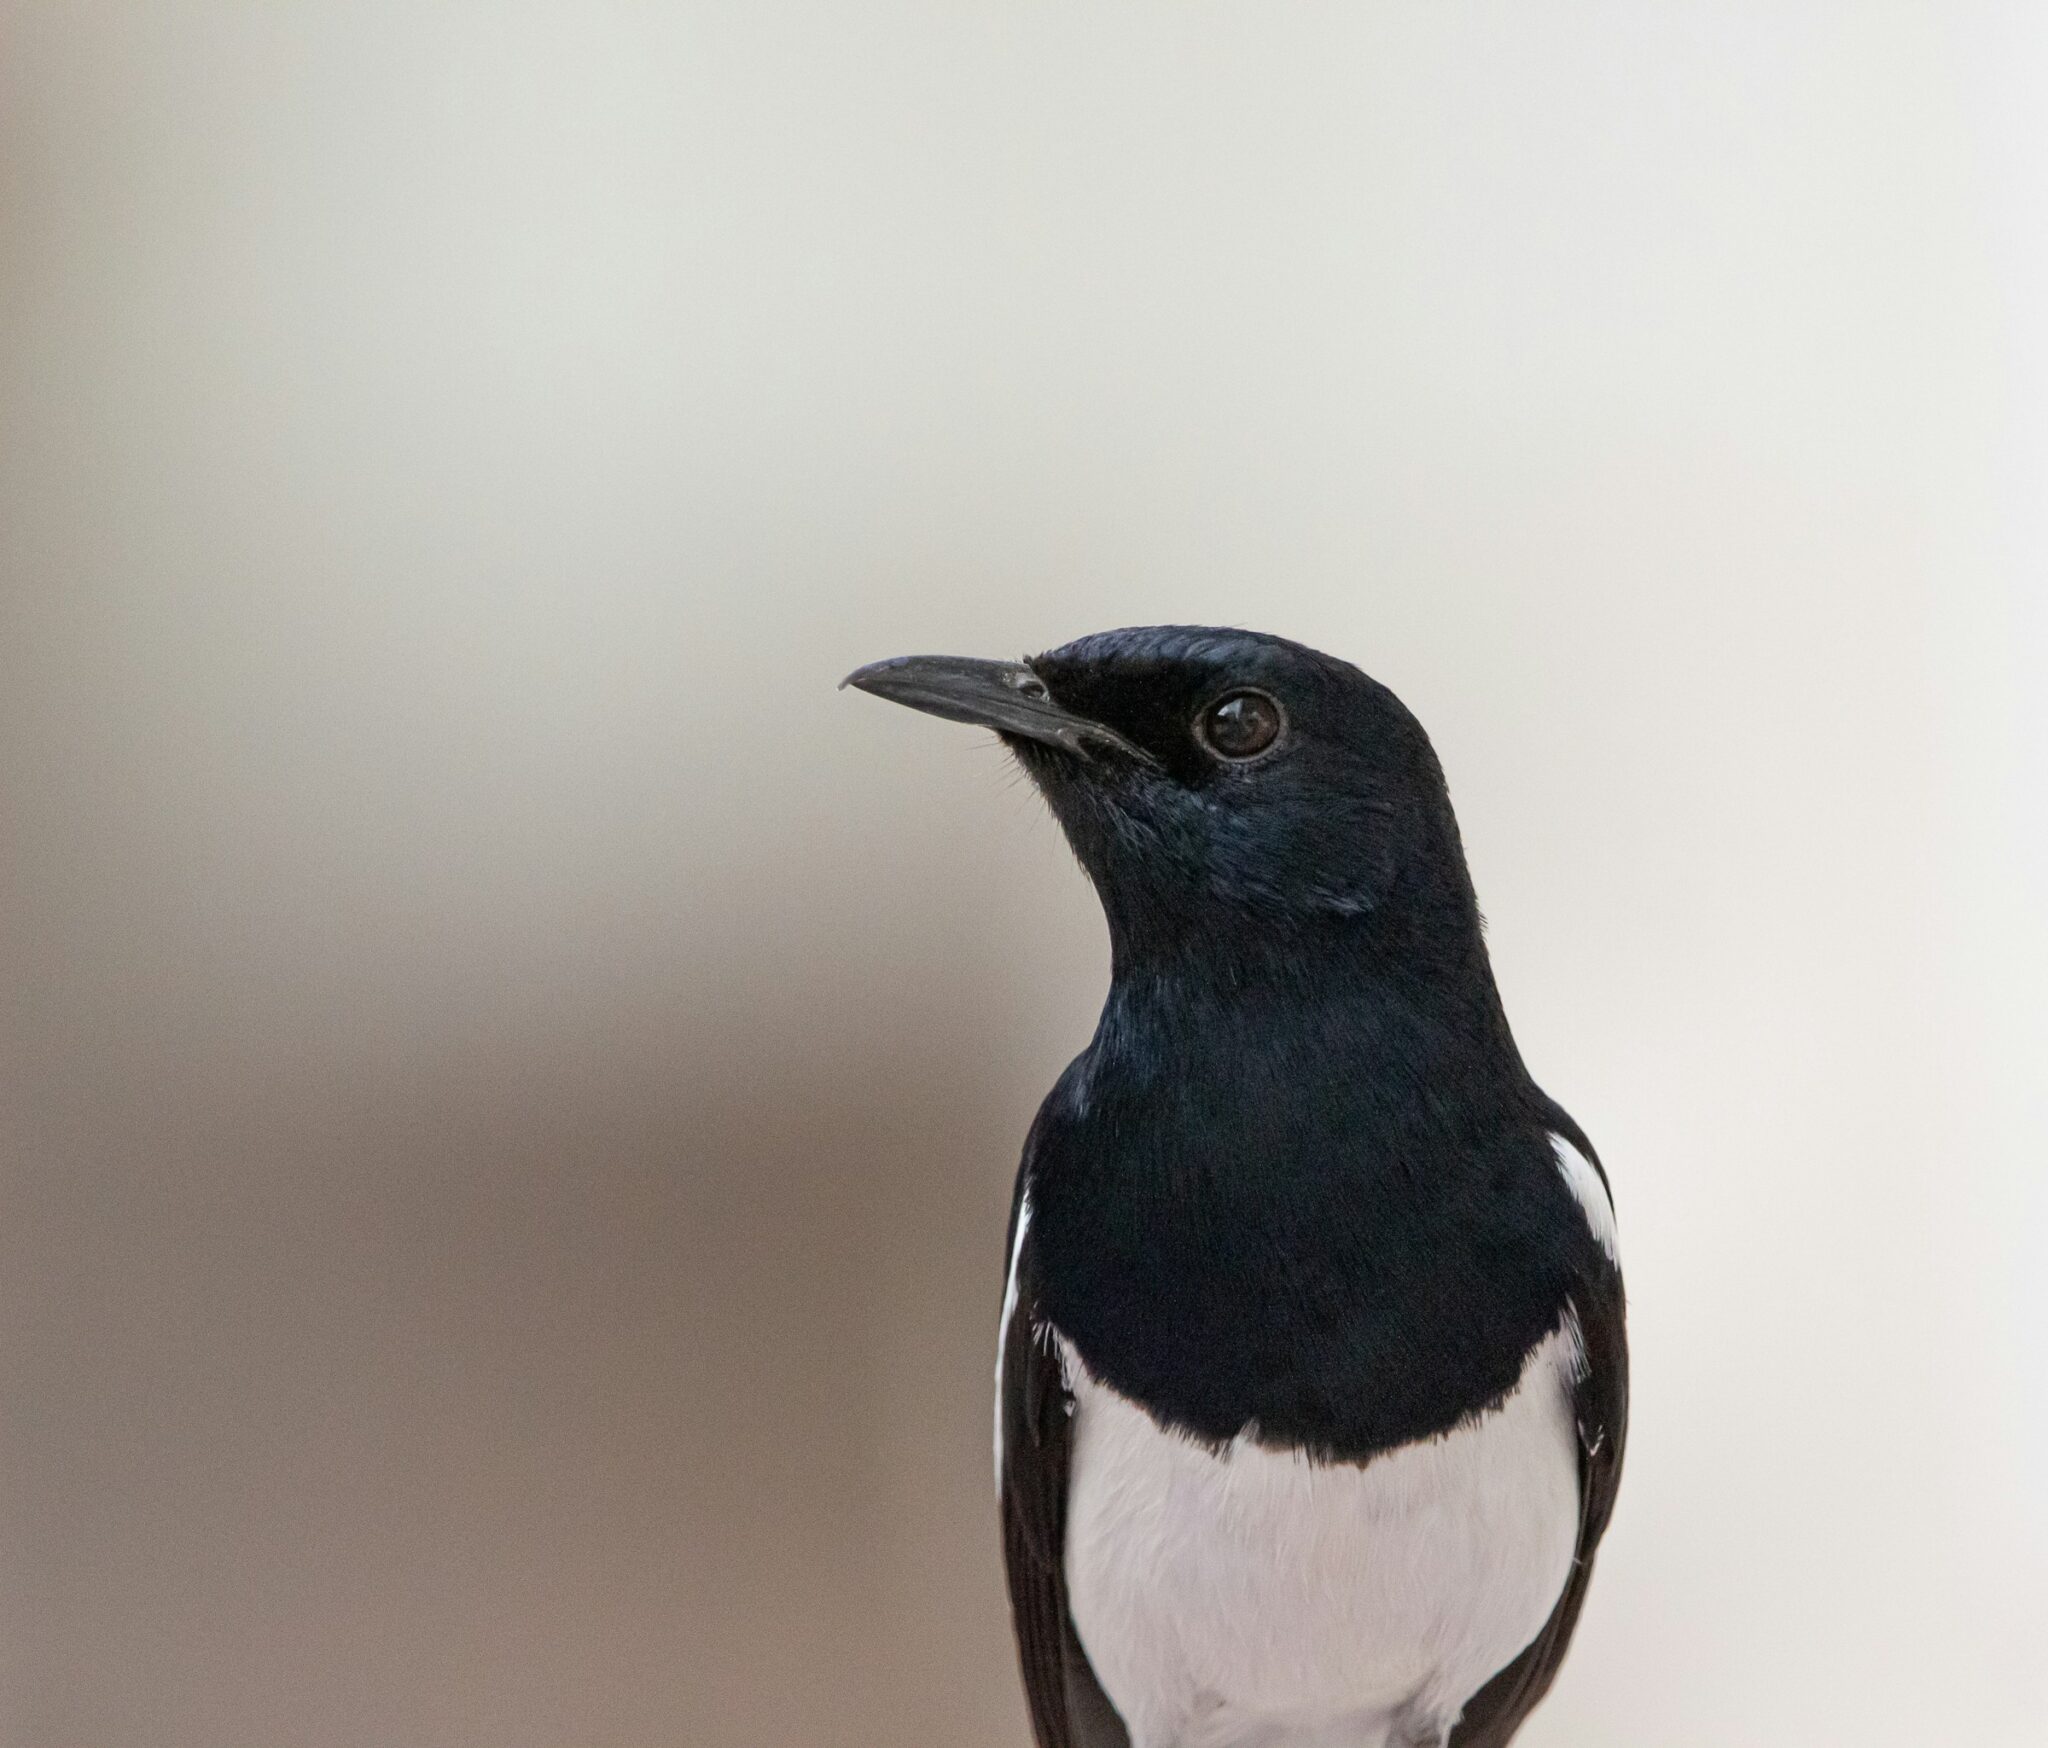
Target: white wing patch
<point x="1009" y="1311"/>
<point x="1592" y="1195"/>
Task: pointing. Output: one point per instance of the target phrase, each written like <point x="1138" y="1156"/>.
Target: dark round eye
<point x="1240" y="725"/>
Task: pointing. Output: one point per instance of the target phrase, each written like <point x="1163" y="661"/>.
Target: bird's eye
<point x="1240" y="725"/>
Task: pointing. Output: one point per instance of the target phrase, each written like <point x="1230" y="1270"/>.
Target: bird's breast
<point x="1246" y="1593"/>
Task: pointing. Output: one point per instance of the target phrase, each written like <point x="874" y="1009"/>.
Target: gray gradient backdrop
<point x="511" y="1082"/>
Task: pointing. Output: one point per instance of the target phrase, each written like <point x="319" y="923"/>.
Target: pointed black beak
<point x="1005" y="696"/>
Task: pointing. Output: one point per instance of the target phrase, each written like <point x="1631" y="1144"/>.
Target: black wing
<point x="1497" y="1710"/>
<point x="1034" y="1420"/>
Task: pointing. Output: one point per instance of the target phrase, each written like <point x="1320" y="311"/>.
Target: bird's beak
<point x="1005" y="696"/>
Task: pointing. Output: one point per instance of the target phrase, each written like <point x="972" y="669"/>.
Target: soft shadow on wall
<point x="583" y="1389"/>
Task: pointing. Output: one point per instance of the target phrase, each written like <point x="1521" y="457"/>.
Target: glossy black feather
<point x="1067" y="1705"/>
<point x="1495" y="1713"/>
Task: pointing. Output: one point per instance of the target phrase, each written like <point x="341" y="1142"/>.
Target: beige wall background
<point x="511" y="1083"/>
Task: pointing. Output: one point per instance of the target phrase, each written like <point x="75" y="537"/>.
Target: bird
<point x="1312" y="1369"/>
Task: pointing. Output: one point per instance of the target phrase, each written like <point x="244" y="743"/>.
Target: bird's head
<point x="1218" y="785"/>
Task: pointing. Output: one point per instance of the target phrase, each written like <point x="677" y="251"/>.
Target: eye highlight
<point x="1240" y="725"/>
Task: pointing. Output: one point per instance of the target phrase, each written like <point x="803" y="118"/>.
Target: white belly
<point x="1250" y="1596"/>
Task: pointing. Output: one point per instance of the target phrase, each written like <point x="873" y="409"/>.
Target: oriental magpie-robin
<point x="1311" y="1378"/>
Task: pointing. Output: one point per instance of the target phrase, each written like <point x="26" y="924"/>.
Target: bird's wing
<point x="1600" y="1400"/>
<point x="1034" y="1429"/>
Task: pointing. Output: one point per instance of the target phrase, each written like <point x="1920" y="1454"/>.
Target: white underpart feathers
<point x="1251" y="1595"/>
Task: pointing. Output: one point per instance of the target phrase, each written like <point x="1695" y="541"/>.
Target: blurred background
<point x="511" y="1083"/>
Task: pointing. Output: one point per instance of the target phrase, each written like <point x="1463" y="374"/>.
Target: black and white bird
<point x="1311" y="1379"/>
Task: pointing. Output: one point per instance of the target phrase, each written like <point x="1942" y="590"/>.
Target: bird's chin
<point x="1043" y="762"/>
<point x="1098" y="798"/>
<point x="1072" y="775"/>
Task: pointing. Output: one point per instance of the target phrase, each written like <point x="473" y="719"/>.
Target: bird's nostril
<point x="1031" y="686"/>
